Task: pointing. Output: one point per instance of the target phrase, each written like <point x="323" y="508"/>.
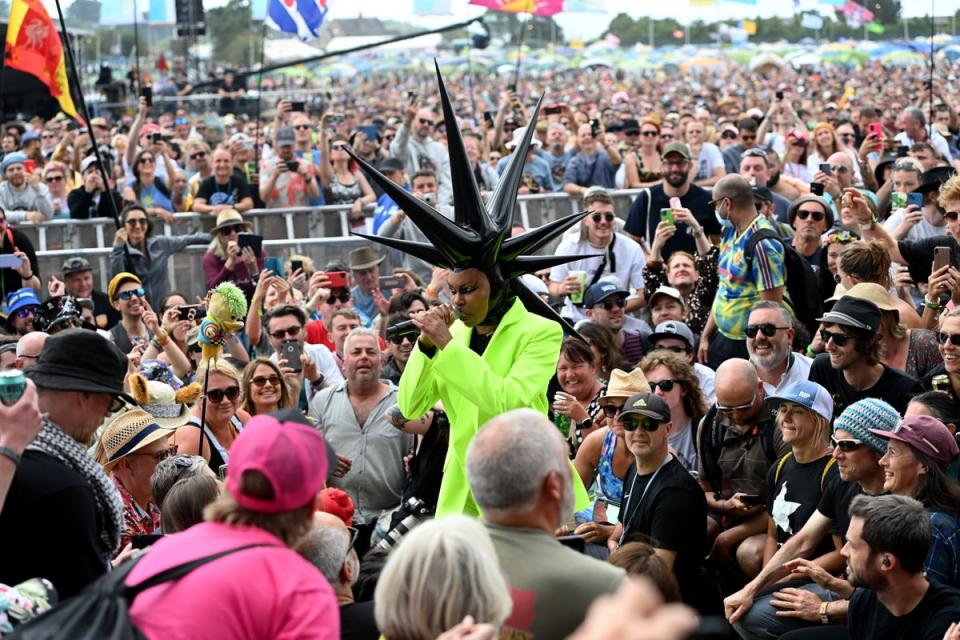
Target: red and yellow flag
<point x="34" y="47"/>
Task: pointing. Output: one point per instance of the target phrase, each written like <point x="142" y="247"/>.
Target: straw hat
<point x="128" y="433"/>
<point x="169" y="408"/>
<point x="624" y="385"/>
<point x="229" y="218"/>
<point x="873" y="292"/>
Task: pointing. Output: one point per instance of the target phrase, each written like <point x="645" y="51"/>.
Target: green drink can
<point x="577" y="296"/>
<point x="898" y="200"/>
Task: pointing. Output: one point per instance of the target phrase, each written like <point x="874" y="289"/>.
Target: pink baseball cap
<point x="291" y="455"/>
<point x="925" y="434"/>
<point x="149" y="128"/>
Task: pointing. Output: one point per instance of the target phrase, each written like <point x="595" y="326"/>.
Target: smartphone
<point x="552" y="111"/>
<point x="146" y="91"/>
<point x="826" y="168"/>
<point x="902" y="151"/>
<point x="10" y="261"/>
<point x="915" y="198"/>
<point x="250" y="171"/>
<point x="156" y="137"/>
<point x="941" y="257"/>
<point x="290" y="351"/>
<point x="251" y="240"/>
<point x="30" y="166"/>
<point x="488" y="117"/>
<point x="875" y="129"/>
<point x="575" y="542"/>
<point x="298" y="105"/>
<point x="816" y="188"/>
<point x="594" y="127"/>
<point x="192" y="312"/>
<point x="295" y="265"/>
<point x="512" y="88"/>
<point x="144" y="540"/>
<point x="412" y="96"/>
<point x="752" y="499"/>
<point x="293" y="165"/>
<point x="338" y="279"/>
<point x="779" y="95"/>
<point x="371" y="131"/>
<point x="391" y="282"/>
<point x="666" y="215"/>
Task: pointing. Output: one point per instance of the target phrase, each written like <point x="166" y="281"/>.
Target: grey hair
<point x="509" y="458"/>
<point x="441" y="571"/>
<point x="895" y="524"/>
<point x="916" y="115"/>
<point x="773" y="304"/>
<point x="360" y="331"/>
<point x="167" y="473"/>
<point x="326" y="548"/>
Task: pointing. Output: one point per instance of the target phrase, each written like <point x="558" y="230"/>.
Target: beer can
<point x="898" y="200"/>
<point x="12" y="385"/>
<point x="577" y="296"/>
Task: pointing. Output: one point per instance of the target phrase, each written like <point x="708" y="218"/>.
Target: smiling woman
<point x="263" y="388"/>
<point x="576" y="410"/>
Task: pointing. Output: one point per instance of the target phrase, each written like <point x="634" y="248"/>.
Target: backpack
<point x="102" y="610"/>
<point x="802" y="287"/>
<point x="823" y="476"/>
<point x="710" y="439"/>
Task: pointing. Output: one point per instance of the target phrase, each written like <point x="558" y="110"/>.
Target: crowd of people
<point x="730" y="410"/>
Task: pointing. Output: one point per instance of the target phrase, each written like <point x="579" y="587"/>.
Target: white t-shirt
<point x="326" y="365"/>
<point x="627" y="254"/>
<point x="709" y="161"/>
<point x="936" y="140"/>
<point x="799" y="370"/>
<point x="706" y="375"/>
<point x="921" y="230"/>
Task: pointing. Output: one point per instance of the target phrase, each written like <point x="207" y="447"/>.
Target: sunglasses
<point x="343" y="297"/>
<point x="817" y="216"/>
<point x="766" y="328"/>
<point x="293" y="332"/>
<point x="146" y="160"/>
<point x="301" y="127"/>
<point x="951" y="215"/>
<point x="426" y="122"/>
<point x="389" y="137"/>
<point x="338" y="147"/>
<point x="159" y="455"/>
<point x="649" y="134"/>
<point x="633" y="421"/>
<point x="728" y="135"/>
<point x="217" y="395"/>
<point x="183" y="462"/>
<point x="901" y="426"/>
<point x="846" y="445"/>
<point x="609" y="304"/>
<point x="27" y="311"/>
<point x="354" y="533"/>
<point x="195" y="348"/>
<point x="117" y="404"/>
<point x="740" y="407"/>
<point x="665" y="385"/>
<point x="198" y="155"/>
<point x="953" y="338"/>
<point x="410" y="337"/>
<point x="137" y="222"/>
<point x="667" y="136"/>
<point x="597" y="217"/>
<point x="274" y="380"/>
<point x="127" y="295"/>
<point x="233" y="228"/>
<point x="611" y="410"/>
<point x="839" y="339"/>
<point x="54" y="178"/>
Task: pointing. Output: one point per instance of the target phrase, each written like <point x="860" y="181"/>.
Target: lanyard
<point x="629" y="516"/>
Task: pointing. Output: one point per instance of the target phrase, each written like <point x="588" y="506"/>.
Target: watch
<point x="824" y="618"/>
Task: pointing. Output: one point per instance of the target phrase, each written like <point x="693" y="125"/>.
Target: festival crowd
<point x="729" y="411"/>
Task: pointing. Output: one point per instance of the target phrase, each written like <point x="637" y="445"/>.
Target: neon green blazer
<point x="512" y="373"/>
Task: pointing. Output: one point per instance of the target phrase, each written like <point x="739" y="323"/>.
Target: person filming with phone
<point x="230" y="259"/>
<point x="307" y="366"/>
<point x="286" y="181"/>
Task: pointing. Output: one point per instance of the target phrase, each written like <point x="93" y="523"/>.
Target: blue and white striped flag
<point x="302" y="18"/>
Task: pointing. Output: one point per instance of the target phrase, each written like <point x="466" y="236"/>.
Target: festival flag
<point x="34" y="47"/>
<point x="302" y="18"/>
<point x="855" y="14"/>
<point x="536" y="7"/>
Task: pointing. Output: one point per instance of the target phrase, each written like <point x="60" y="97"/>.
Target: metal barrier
<point x="322" y="233"/>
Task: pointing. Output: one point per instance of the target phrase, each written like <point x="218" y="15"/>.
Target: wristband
<point x="936" y="306"/>
<point x="12" y="455"/>
<point x="868" y="225"/>
<point x="824" y="618"/>
<point x="27" y="277"/>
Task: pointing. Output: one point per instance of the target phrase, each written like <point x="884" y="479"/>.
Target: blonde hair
<point x="442" y="571"/>
<point x="221" y="366"/>
<point x="821" y="426"/>
<point x="949" y="191"/>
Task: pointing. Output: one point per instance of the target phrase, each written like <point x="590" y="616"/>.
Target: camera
<point x="417" y="513"/>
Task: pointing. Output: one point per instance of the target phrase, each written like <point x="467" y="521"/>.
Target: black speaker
<point x="190" y="20"/>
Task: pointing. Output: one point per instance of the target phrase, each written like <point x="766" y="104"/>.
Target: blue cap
<point x="21" y="298"/>
<point x="806" y="394"/>
<point x="17" y="157"/>
<point x="597" y="293"/>
<point x="29" y="136"/>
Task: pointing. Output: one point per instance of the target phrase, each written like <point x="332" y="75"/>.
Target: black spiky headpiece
<point x="478" y="236"/>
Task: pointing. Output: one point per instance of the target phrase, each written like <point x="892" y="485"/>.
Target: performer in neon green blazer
<point x="495" y="347"/>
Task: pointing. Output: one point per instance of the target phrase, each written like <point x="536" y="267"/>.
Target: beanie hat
<point x="862" y="416"/>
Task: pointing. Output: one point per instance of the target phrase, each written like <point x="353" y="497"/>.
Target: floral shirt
<point x="137" y="521"/>
<point x="701" y="298"/>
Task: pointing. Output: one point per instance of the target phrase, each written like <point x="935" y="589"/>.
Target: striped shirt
<point x="742" y="280"/>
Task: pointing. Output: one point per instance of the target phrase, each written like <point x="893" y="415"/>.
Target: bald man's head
<point x="327" y="546"/>
<point x="738" y="385"/>
<point x="29" y="348"/>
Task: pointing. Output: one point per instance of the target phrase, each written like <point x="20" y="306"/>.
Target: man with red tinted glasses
<point x="811" y="217"/>
<point x="619" y="256"/>
<point x="852" y="368"/>
<point x="604" y="305"/>
<point x="662" y="503"/>
<point x="858" y="452"/>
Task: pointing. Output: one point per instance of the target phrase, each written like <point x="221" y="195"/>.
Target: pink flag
<point x="536" y="7"/>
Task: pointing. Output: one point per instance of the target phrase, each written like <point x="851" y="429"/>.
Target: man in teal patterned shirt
<point x="743" y="280"/>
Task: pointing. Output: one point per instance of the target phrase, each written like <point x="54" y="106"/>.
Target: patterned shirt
<point x="742" y="280"/>
<point x="943" y="558"/>
<point x="137" y="521"/>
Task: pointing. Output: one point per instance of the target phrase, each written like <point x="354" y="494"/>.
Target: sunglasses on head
<point x="817" y="216"/>
<point x="410" y="337"/>
<point x="293" y="332"/>
<point x="953" y="338"/>
<point x="846" y="445"/>
<point x="664" y="385"/>
<point x="902" y="426"/>
<point x="217" y="395"/>
<point x="259" y="381"/>
<point x="766" y="328"/>
<point x="634" y="421"/>
<point x="618" y="301"/>
<point x="839" y="339"/>
<point x="598" y="217"/>
<point x="127" y="295"/>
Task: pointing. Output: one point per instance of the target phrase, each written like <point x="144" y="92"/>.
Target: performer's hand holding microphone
<point x="434" y="325"/>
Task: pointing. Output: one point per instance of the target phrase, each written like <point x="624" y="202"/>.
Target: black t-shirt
<point x="357" y="622"/>
<point x="894" y="386"/>
<point x="696" y="199"/>
<point x="103" y="310"/>
<point x="868" y="619"/>
<point x="919" y="254"/>
<point x="49" y="527"/>
<point x="835" y="504"/>
<point x="231" y="193"/>
<point x="794" y="495"/>
<point x="671" y="516"/>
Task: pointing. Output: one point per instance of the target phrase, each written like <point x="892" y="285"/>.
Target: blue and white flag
<point x="302" y="18"/>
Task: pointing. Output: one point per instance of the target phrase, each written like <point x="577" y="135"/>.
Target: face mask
<point x="722" y="217"/>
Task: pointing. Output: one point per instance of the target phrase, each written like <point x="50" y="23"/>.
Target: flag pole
<point x="256" y="141"/>
<point x="516" y="71"/>
<point x="136" y="43"/>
